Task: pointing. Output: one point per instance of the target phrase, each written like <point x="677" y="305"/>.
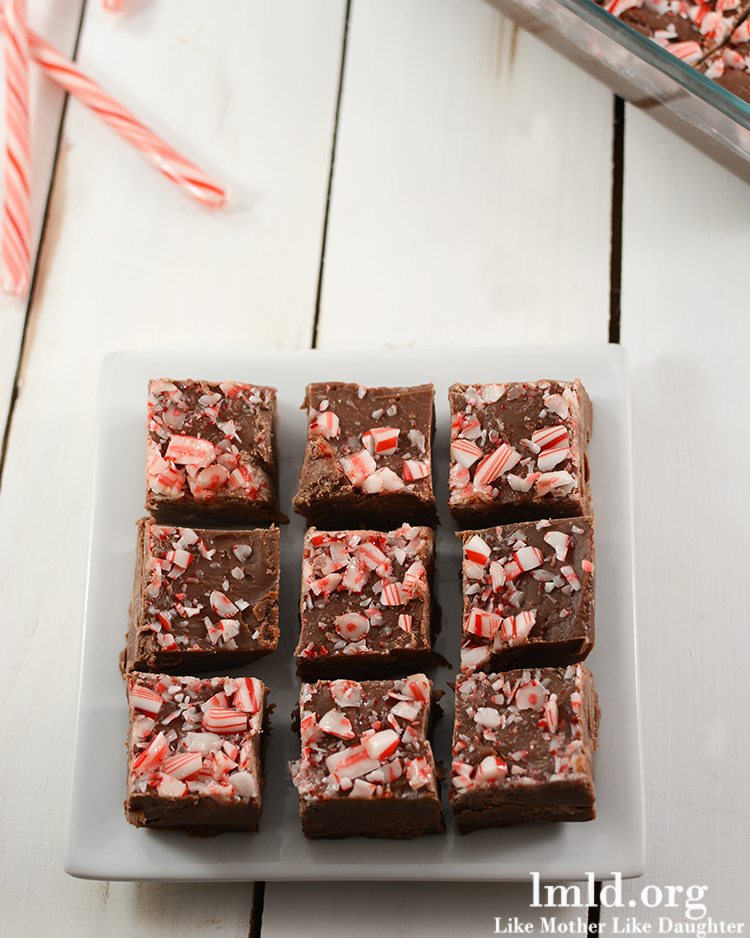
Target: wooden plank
<point x="419" y="910"/>
<point x="685" y="327"/>
<point x="471" y="193"/>
<point x="59" y="24"/>
<point x="249" y="90"/>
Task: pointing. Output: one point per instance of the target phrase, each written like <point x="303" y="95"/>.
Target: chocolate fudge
<point x="211" y="452"/>
<point x="195" y="753"/>
<point x="523" y="747"/>
<point x="368" y="458"/>
<point x="202" y="600"/>
<point x="528" y="594"/>
<point x="366" y="766"/>
<point x="688" y="30"/>
<point x="518" y="451"/>
<point x="365" y="605"/>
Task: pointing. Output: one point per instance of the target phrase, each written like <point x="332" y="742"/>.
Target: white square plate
<point x="102" y="845"/>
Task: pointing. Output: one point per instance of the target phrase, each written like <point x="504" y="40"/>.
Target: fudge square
<point x="518" y="451"/>
<point x="211" y="452"/>
<point x="195" y="753"/>
<point x="523" y="747"/>
<point x="528" y="594"/>
<point x="202" y="600"/>
<point x="368" y="458"/>
<point x="366" y="766"/>
<point x="365" y="604"/>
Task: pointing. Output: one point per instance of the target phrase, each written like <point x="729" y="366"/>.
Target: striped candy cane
<point x="16" y="226"/>
<point x="167" y="160"/>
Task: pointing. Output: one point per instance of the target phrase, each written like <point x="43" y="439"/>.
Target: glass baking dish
<point x="642" y="72"/>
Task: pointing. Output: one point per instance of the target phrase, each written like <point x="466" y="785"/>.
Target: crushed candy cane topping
<point x="520" y="582"/>
<point x="513" y="439"/>
<point x="193" y="737"/>
<point x="200" y="589"/>
<point x="381" y="445"/>
<point x="209" y="440"/>
<point x="365" y="740"/>
<point x="365" y="591"/>
<point x="521" y="728"/>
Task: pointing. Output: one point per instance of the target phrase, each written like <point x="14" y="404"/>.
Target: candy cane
<point x="167" y="160"/>
<point x="16" y="226"/>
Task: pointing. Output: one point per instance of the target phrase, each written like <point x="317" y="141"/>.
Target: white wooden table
<point x="403" y="172"/>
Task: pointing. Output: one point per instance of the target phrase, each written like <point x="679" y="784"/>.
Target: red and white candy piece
<point x="146" y="700"/>
<point x="326" y="584"/>
<point x="549" y="481"/>
<point x="394" y="594"/>
<point x="151" y="756"/>
<point x="382" y="745"/>
<point x="326" y="425"/>
<point x="373" y="558"/>
<point x="169" y="787"/>
<point x="550" y="458"/>
<point x="483" y="623"/>
<point x="572" y="577"/>
<point x="222" y="605"/>
<point x="550" y="437"/>
<point x="414" y="576"/>
<point x="497" y="575"/>
<point x="190" y="451"/>
<point x="516" y="628"/>
<point x="559" y="541"/>
<point x="417" y="686"/>
<point x="551" y="713"/>
<point x="248" y="695"/>
<point x="465" y="453"/>
<point x="474" y="657"/>
<point x="381" y="441"/>
<point x="346" y="693"/>
<point x="352" y="626"/>
<point x="415" y="469"/>
<point x="224" y="720"/>
<point x="418" y="773"/>
<point x="182" y="765"/>
<point x="528" y="558"/>
<point x="491" y="769"/>
<point x="406" y="623"/>
<point x="362" y="789"/>
<point x="531" y="696"/>
<point x="353" y="762"/>
<point x="358" y="467"/>
<point x="477" y="550"/>
<point x="487" y="717"/>
<point x="503" y="459"/>
<point x="336" y="724"/>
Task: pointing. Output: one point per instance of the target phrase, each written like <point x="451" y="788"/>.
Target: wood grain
<point x="249" y="90"/>
<point x="471" y="190"/>
<point x="685" y="328"/>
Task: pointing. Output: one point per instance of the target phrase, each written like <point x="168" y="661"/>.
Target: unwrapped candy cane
<point x="167" y="160"/>
<point x="16" y="225"/>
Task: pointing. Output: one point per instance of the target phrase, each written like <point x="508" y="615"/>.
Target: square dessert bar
<point x="528" y="594"/>
<point x="211" y="452"/>
<point x="366" y="767"/>
<point x="523" y="747"/>
<point x="518" y="451"/>
<point x="368" y="456"/>
<point x="195" y="753"/>
<point x="365" y="605"/>
<point x="202" y="600"/>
